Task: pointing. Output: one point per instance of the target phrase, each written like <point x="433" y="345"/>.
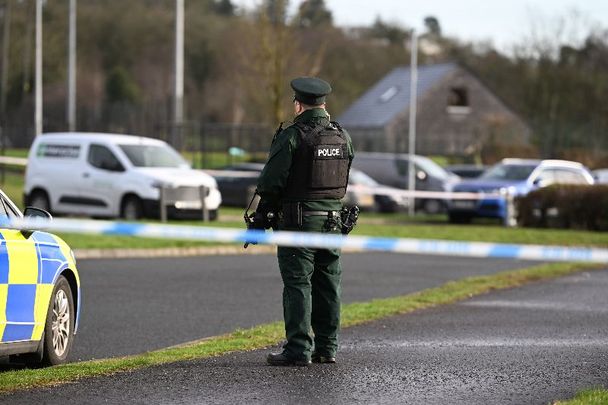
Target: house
<point x="456" y="114"/>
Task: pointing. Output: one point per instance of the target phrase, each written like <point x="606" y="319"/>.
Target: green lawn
<point x="16" y="152"/>
<point x="371" y="224"/>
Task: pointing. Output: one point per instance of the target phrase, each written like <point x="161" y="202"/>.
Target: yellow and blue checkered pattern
<point x="28" y="269"/>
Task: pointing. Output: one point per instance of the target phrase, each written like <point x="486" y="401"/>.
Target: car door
<point x="57" y="168"/>
<point x="20" y="299"/>
<point x="100" y="192"/>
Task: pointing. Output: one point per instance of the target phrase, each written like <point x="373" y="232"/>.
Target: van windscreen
<point x="153" y="156"/>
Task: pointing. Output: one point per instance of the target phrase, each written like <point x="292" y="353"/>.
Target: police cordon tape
<point x="316" y="240"/>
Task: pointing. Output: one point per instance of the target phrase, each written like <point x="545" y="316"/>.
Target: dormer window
<point x="458" y="101"/>
<point x="389" y="94"/>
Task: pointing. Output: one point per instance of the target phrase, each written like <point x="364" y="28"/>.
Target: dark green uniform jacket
<point x="273" y="178"/>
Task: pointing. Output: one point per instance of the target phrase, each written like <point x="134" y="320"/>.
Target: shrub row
<point x="565" y="206"/>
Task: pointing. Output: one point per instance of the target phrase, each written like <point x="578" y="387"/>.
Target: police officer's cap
<point x="310" y="90"/>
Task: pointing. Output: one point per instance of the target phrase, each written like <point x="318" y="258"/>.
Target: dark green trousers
<point x="311" y="295"/>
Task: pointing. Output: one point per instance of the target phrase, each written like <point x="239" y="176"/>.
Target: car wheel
<point x="40" y="199"/>
<point x="131" y="209"/>
<point x="433" y="206"/>
<point x="59" y="328"/>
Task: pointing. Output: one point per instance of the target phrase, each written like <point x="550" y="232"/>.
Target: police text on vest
<point x="328" y="152"/>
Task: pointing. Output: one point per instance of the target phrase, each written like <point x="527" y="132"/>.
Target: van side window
<point x="102" y="158"/>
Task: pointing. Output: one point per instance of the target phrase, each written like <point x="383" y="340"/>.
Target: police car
<point x="39" y="291"/>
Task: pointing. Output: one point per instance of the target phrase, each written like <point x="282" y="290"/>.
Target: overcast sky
<point x="503" y="22"/>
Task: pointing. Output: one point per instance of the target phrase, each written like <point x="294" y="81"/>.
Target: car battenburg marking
<point x="3" y="261"/>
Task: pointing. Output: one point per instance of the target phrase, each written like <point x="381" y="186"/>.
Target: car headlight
<point x="73" y="256"/>
<point x="160" y="184"/>
<point x="504" y="191"/>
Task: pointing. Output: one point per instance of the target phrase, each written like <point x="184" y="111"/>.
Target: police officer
<point x="303" y="182"/>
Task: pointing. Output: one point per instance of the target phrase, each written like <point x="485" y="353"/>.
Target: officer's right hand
<point x="257" y="223"/>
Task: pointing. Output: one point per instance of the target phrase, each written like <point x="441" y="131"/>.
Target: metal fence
<point x="205" y="144"/>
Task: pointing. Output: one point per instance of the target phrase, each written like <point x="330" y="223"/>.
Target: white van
<point x="110" y="175"/>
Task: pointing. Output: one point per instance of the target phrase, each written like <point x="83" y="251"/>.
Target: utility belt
<point x="293" y="217"/>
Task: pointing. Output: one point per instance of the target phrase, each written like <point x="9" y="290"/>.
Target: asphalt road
<point x="530" y="345"/>
<point x="136" y="305"/>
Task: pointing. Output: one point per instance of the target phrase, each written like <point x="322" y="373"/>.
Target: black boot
<point x="319" y="358"/>
<point x="281" y="359"/>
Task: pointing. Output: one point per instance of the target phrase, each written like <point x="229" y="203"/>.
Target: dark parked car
<point x="237" y="182"/>
<point x="467" y="171"/>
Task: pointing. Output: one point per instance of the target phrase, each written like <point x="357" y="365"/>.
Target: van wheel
<point x="433" y="206"/>
<point x="131" y="209"/>
<point x="40" y="199"/>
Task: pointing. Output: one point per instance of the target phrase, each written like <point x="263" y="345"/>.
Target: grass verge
<point x="271" y="334"/>
<point x="597" y="396"/>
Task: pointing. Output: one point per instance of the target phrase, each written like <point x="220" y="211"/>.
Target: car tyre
<point x="40" y="199"/>
<point x="59" y="327"/>
<point x="131" y="209"/>
<point x="433" y="206"/>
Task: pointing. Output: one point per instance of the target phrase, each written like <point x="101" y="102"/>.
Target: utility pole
<point x="71" y="107"/>
<point x="6" y="32"/>
<point x="412" y="127"/>
<point x="38" y="73"/>
<point x="178" y="95"/>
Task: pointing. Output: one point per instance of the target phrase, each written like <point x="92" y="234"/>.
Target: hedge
<point x="565" y="206"/>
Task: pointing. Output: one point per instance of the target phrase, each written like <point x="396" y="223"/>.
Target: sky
<point x="504" y="22"/>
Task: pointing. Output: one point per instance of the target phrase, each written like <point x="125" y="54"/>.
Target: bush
<point x="565" y="206"/>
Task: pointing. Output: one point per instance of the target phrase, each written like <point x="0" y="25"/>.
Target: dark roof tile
<point x="391" y="95"/>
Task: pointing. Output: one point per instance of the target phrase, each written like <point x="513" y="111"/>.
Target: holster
<point x="349" y="218"/>
<point x="292" y="214"/>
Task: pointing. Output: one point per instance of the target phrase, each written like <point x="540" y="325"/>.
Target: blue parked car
<point x="515" y="177"/>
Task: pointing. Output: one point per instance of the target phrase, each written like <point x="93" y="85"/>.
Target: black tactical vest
<point x="319" y="169"/>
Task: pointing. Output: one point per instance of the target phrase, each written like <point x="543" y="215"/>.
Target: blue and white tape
<point x="318" y="240"/>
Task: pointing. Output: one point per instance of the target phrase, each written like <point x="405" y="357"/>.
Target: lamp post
<point x="178" y="95"/>
<point x="38" y="73"/>
<point x="411" y="182"/>
<point x="71" y="107"/>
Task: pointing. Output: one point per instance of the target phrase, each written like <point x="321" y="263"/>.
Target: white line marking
<point x="489" y="342"/>
<point x="546" y="305"/>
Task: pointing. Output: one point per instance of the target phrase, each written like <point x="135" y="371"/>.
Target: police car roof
<point x="100" y="137"/>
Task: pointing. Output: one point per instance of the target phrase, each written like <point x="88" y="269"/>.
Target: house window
<point x="389" y="94"/>
<point x="458" y="101"/>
